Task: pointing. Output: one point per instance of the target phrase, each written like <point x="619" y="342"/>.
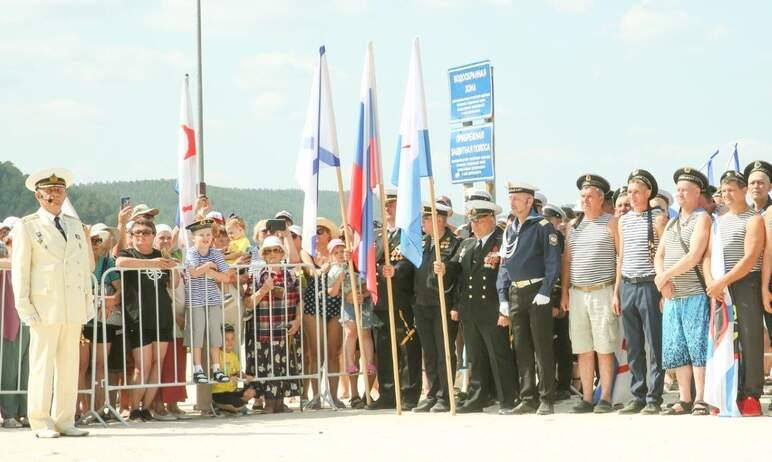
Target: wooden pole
<point x="354" y="287"/>
<point x="390" y="292"/>
<point x="443" y="313"/>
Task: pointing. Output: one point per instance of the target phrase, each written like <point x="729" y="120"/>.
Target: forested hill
<point x="99" y="202"/>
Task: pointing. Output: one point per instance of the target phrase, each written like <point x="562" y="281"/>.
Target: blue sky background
<point x="581" y="85"/>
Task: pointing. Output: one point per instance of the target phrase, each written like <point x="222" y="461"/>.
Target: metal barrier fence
<point x="14" y="370"/>
<point x="129" y="300"/>
<point x="151" y="296"/>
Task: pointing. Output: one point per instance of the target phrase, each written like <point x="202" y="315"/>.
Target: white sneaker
<point x="164" y="417"/>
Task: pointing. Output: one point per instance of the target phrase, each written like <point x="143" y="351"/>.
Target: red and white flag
<point x="186" y="165"/>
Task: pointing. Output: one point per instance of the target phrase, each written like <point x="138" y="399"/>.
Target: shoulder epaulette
<point x="544" y="222"/>
<point x="30" y="218"/>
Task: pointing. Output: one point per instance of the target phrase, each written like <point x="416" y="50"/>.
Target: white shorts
<point x="592" y="324"/>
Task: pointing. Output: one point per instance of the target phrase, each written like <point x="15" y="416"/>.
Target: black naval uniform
<point x="408" y="344"/>
<point x="532" y="269"/>
<point x="428" y="319"/>
<point x="474" y="270"/>
<point x="564" y="357"/>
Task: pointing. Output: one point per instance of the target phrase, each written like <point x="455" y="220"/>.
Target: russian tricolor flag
<point x="366" y="175"/>
<point x="721" y="368"/>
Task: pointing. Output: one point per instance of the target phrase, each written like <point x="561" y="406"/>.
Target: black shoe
<point x="562" y="395"/>
<point x="468" y="409"/>
<point x="424" y="405"/>
<point x="506" y="411"/>
<point x="603" y="407"/>
<point x="146" y="415"/>
<point x="135" y="416"/>
<point x="440" y="406"/>
<point x="546" y="408"/>
<point x="379" y="404"/>
<point x="220" y="377"/>
<point x="633" y="406"/>
<point x="651" y="409"/>
<point x="408" y="405"/>
<point x="582" y="407"/>
<point x="525" y="407"/>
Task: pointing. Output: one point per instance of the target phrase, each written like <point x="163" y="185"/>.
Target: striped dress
<point x="733" y="237"/>
<point x="687" y="283"/>
<point x="637" y="261"/>
<point x="593" y="256"/>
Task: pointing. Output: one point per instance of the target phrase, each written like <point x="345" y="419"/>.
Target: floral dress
<point x="270" y="351"/>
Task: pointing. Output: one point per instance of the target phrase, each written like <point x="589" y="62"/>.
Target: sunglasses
<point x="273" y="250"/>
<point x="143" y="232"/>
<point x="320" y="231"/>
<point x="96" y="240"/>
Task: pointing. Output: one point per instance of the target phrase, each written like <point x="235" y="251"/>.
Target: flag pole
<point x="200" y="131"/>
<point x="443" y="312"/>
<point x="390" y="292"/>
<point x="354" y="286"/>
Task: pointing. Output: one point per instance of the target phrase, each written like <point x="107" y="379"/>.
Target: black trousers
<point x="493" y="372"/>
<point x="642" y="321"/>
<point x="428" y="323"/>
<point x="564" y="357"/>
<point x="746" y="295"/>
<point x="408" y="359"/>
<point x="532" y="328"/>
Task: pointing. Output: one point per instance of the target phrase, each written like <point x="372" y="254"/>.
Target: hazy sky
<point x="581" y="85"/>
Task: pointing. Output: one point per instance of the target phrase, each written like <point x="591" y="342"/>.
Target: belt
<point x="593" y="287"/>
<point x="638" y="280"/>
<point x="525" y="283"/>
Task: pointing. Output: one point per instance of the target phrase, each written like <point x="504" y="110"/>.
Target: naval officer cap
<point x="50" y="178"/>
<point x="590" y="179"/>
<point x="539" y="199"/>
<point x="477" y="195"/>
<point x="734" y="175"/>
<point x="646" y="178"/>
<point x="442" y="209"/>
<point x="390" y="192"/>
<point x="758" y="166"/>
<point x="206" y="223"/>
<point x="665" y="195"/>
<point x="479" y="208"/>
<point x="691" y="175"/>
<point x="553" y="211"/>
<point x="520" y="187"/>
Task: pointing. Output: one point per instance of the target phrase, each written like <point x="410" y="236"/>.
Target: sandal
<point x="678" y="408"/>
<point x="700" y="408"/>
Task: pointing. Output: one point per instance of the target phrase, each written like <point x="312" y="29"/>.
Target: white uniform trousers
<point x="53" y="375"/>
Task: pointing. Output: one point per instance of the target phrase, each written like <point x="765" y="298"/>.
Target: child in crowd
<point x="206" y="268"/>
<point x="339" y="283"/>
<point x="239" y="245"/>
<point x="227" y="396"/>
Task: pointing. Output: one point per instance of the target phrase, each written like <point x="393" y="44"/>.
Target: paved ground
<point x="381" y="435"/>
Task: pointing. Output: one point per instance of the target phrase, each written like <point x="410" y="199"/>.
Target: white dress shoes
<point x="47" y="434"/>
<point x="73" y="432"/>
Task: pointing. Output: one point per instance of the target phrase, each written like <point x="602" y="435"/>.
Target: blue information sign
<point x="471" y="154"/>
<point x="471" y="92"/>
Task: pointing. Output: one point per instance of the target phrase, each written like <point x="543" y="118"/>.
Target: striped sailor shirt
<point x="593" y="255"/>
<point x="637" y="261"/>
<point x="202" y="290"/>
<point x="687" y="283"/>
<point x="732" y="228"/>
